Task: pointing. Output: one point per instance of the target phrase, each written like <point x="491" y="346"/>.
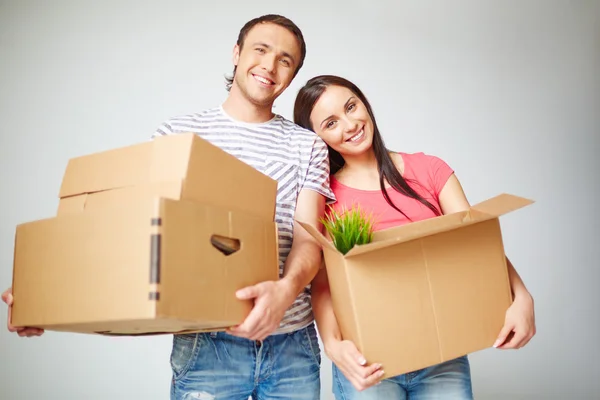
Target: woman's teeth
<point x="358" y="136"/>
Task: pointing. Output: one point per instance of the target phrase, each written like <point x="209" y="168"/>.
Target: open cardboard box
<point x="425" y="292"/>
<point x="148" y="238"/>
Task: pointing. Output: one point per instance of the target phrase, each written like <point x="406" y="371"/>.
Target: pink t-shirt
<point x="426" y="174"/>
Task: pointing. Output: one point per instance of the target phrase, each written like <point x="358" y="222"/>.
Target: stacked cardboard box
<point x="149" y="238"/>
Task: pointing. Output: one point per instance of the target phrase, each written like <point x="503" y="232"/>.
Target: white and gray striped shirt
<point x="297" y="158"/>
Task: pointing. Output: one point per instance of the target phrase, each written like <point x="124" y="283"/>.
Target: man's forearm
<point x="302" y="265"/>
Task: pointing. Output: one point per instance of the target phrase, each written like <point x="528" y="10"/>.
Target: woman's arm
<point x="343" y="353"/>
<point x="519" y="325"/>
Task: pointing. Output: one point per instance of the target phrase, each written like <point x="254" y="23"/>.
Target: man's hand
<point x="23" y="332"/>
<point x="271" y="300"/>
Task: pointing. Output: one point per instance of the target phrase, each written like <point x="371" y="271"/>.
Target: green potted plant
<point x="348" y="227"/>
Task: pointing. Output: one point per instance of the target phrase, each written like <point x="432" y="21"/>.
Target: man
<point x="274" y="353"/>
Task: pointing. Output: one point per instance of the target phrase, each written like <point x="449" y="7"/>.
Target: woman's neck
<point x="360" y="164"/>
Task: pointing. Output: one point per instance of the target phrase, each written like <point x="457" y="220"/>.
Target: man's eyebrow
<point x="283" y="53"/>
<point x="345" y="106"/>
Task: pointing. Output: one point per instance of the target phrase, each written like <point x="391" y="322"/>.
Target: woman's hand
<point x="519" y="324"/>
<point x="353" y="365"/>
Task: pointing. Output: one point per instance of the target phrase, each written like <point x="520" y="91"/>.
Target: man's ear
<point x="236" y="55"/>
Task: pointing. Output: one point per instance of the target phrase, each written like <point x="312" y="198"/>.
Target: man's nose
<point x="268" y="63"/>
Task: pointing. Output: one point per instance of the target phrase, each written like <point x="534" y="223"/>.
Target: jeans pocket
<point x="183" y="354"/>
<point x="310" y="342"/>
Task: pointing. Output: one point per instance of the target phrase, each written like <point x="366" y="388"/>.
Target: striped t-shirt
<point x="297" y="158"/>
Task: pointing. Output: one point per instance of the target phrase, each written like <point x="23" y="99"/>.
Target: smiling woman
<point x="399" y="188"/>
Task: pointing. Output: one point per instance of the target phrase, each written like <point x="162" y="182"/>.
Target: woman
<point x="399" y="188"/>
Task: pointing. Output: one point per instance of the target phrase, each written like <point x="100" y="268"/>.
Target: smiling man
<point x="274" y="353"/>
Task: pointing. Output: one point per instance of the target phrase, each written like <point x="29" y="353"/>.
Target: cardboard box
<point x="425" y="292"/>
<point x="182" y="166"/>
<point x="149" y="238"/>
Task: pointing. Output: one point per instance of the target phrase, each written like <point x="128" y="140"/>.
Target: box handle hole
<point x="224" y="244"/>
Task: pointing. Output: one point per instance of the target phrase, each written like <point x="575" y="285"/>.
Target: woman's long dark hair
<point x="305" y="102"/>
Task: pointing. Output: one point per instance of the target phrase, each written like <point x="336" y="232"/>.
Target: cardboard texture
<point x="425" y="292"/>
<point x="182" y="166"/>
<point x="148" y="239"/>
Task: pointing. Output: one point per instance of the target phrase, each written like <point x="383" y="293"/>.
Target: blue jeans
<point x="217" y="365"/>
<point x="450" y="380"/>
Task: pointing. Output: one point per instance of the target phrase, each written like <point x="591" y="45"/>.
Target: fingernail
<point x="362" y="361"/>
<point x="497" y="343"/>
<point x="380" y="373"/>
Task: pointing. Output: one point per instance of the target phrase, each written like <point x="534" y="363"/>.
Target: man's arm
<point x="303" y="262"/>
<point x="272" y="299"/>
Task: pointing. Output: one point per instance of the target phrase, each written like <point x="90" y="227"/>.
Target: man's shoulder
<point x="198" y="117"/>
<point x="299" y="133"/>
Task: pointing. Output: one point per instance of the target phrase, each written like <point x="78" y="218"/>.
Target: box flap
<point x="485" y="210"/>
<point x="220" y="179"/>
<point x="208" y="173"/>
<point x="318" y="235"/>
<point x="501" y="204"/>
<point x="164" y="158"/>
<point x="413" y="231"/>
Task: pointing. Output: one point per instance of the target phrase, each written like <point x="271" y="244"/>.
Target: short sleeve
<point x="439" y="173"/>
<point x="163" y="129"/>
<point x="317" y="175"/>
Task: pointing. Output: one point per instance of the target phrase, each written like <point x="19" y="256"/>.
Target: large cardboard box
<point x="150" y="238"/>
<point x="425" y="292"/>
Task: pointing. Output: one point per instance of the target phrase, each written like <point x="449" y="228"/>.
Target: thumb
<point x="7" y="298"/>
<point x="356" y="355"/>
<point x="506" y="329"/>
<point x="248" y="292"/>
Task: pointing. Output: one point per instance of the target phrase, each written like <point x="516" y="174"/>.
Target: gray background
<point x="508" y="93"/>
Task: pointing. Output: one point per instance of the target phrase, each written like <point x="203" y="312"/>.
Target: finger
<point x="506" y="330"/>
<point x="368" y="372"/>
<point x="7" y="297"/>
<point x="373" y="379"/>
<point x="249" y="326"/>
<point x="512" y="341"/>
<point x="249" y="292"/>
<point x="8" y="319"/>
<point x="364" y="383"/>
<point x="353" y="356"/>
<point x="266" y="331"/>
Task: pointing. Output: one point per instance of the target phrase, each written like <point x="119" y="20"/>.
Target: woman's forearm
<point x="322" y="304"/>
<point x="519" y="291"/>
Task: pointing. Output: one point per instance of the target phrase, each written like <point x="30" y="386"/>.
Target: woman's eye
<point x="330" y="124"/>
<point x="351" y="107"/>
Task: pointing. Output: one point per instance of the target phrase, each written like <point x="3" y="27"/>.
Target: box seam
<point x="353" y="306"/>
<point x="435" y="318"/>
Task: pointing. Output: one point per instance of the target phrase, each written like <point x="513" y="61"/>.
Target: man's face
<point x="266" y="63"/>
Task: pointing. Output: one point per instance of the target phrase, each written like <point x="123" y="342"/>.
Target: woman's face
<point x="342" y="121"/>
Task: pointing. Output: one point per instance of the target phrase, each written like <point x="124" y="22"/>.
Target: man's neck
<point x="240" y="108"/>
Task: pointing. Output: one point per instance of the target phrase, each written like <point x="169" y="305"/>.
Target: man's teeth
<point x="263" y="80"/>
<point x="357" y="136"/>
